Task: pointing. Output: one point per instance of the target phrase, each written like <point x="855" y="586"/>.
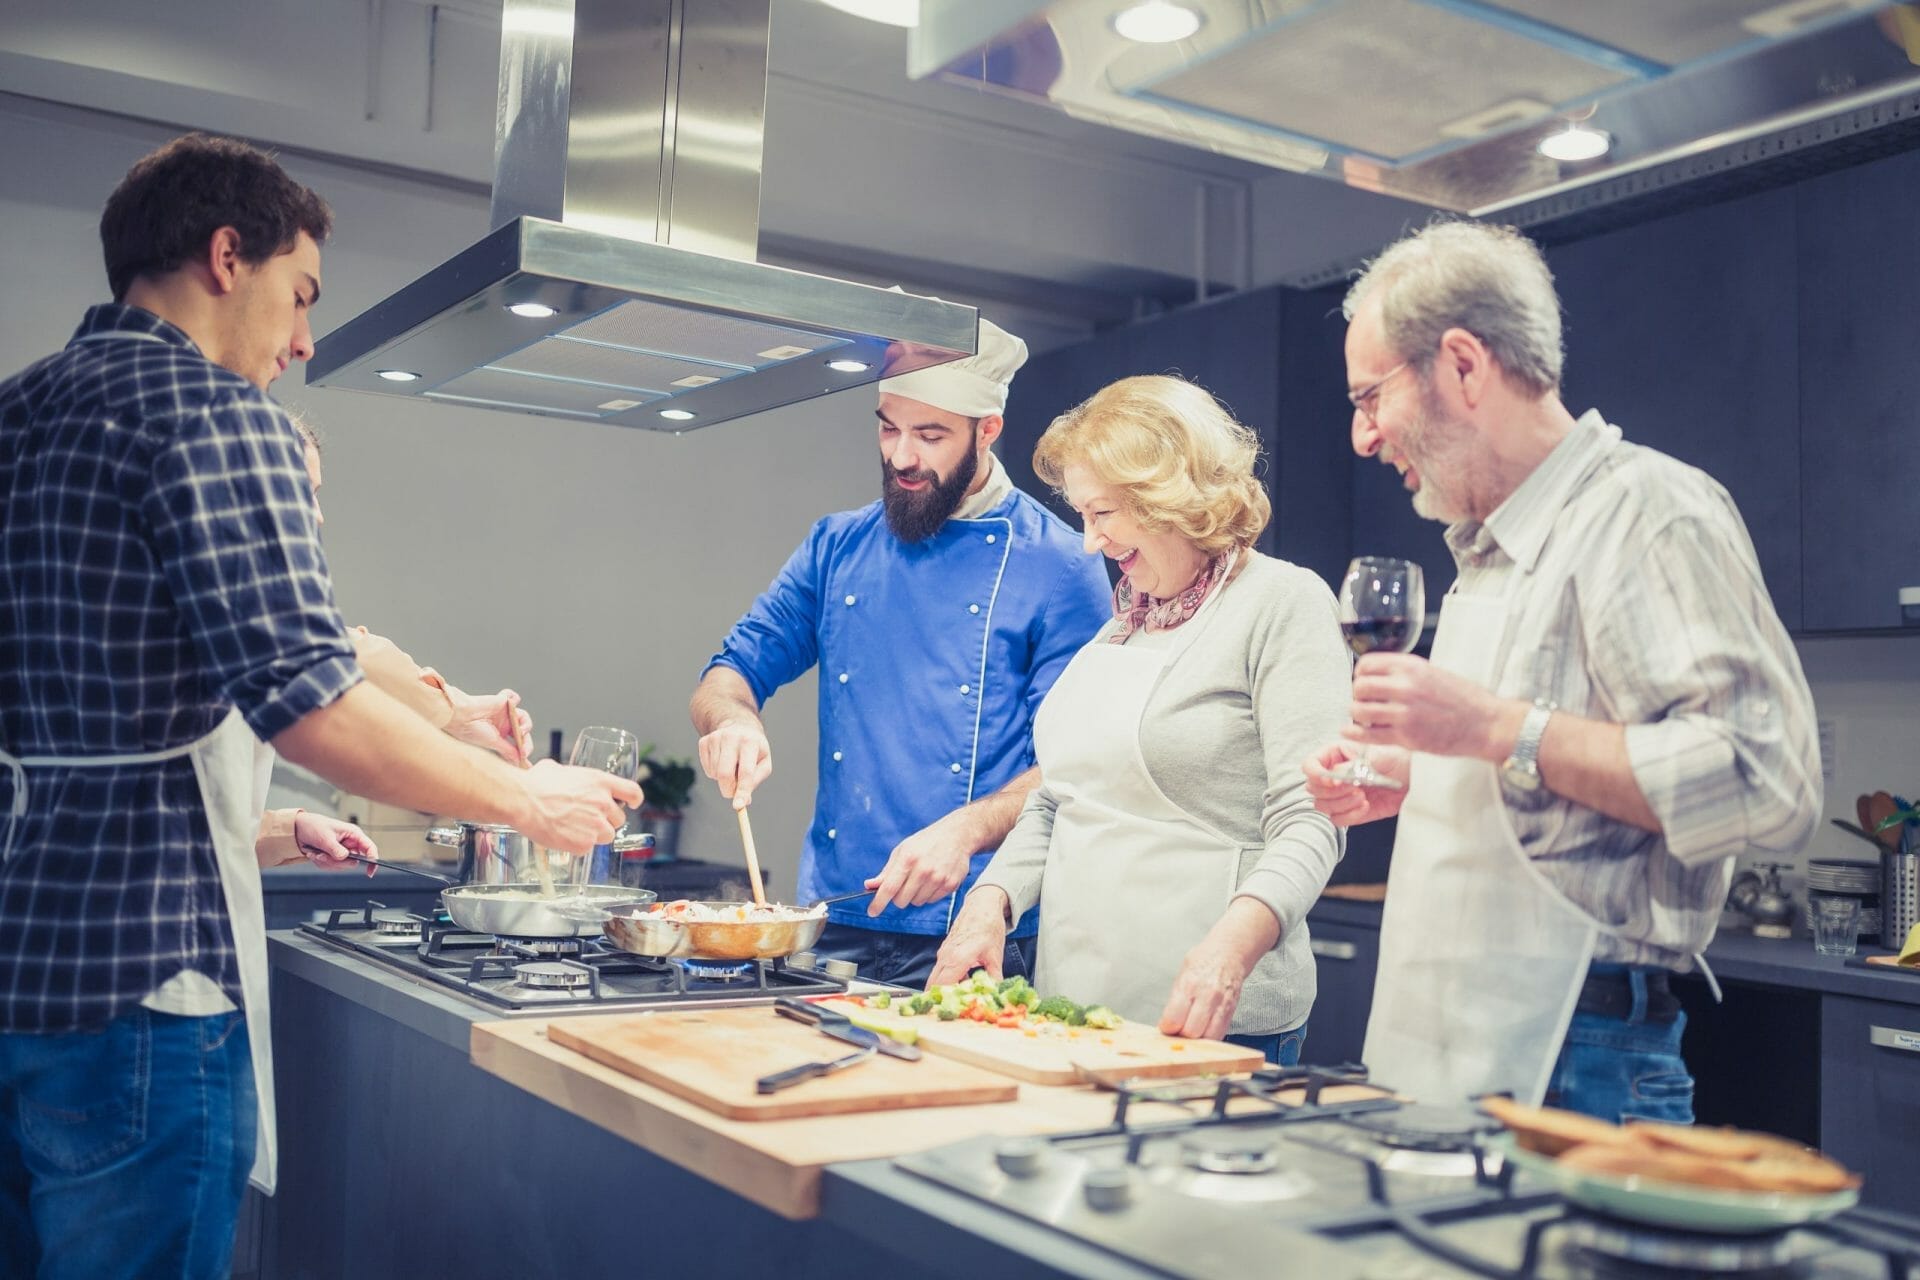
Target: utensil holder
<point x="1899" y="892"/>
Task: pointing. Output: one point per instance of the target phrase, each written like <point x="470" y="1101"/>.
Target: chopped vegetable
<point x="1101" y="1018"/>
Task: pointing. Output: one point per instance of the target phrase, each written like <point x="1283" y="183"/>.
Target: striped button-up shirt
<point x="1641" y="603"/>
<point x="159" y="565"/>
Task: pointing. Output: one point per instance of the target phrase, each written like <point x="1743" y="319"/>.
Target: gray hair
<point x="1490" y="281"/>
<point x="309" y="437"/>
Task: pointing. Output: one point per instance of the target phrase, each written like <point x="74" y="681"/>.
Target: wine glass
<point x="1383" y="606"/>
<point x="612" y="751"/>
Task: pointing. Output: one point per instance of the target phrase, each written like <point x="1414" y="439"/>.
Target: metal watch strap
<point x="1523" y="766"/>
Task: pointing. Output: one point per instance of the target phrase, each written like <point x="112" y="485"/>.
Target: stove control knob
<point x="1108" y="1189"/>
<point x="841" y="969"/>
<point x="1020" y="1157"/>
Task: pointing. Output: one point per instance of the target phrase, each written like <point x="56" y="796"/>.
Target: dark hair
<point x="171" y="202"/>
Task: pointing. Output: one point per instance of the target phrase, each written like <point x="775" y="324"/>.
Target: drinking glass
<point x="1383" y="606"/>
<point x="612" y="751"/>
<point x="1836" y="923"/>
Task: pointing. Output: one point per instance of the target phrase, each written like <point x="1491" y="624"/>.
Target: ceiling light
<point x="676" y="415"/>
<point x="532" y="310"/>
<point x="1575" y="142"/>
<point x="398" y="375"/>
<point x="895" y="13"/>
<point x="1156" y="22"/>
<point x="848" y="366"/>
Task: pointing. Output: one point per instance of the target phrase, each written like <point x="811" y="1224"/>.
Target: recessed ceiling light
<point x="848" y="366"/>
<point x="398" y="375"/>
<point x="676" y="415"/>
<point x="532" y="310"/>
<point x="1156" y="22"/>
<point x="1575" y="142"/>
<point x="788" y="352"/>
<point x="895" y="13"/>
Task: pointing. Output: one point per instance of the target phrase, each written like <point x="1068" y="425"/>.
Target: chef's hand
<point x="493" y="722"/>
<point x="1207" y="989"/>
<point x="928" y="864"/>
<point x="977" y="940"/>
<point x="325" y="842"/>
<point x="738" y="757"/>
<point x="1404" y="701"/>
<point x="574" y="808"/>
<point x="1347" y="804"/>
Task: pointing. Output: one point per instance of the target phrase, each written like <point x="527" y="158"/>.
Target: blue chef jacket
<point x="934" y="657"/>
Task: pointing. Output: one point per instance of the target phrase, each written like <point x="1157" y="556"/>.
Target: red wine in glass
<point x="1383" y="606"/>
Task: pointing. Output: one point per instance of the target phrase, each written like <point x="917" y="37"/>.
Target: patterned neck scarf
<point x="1142" y="612"/>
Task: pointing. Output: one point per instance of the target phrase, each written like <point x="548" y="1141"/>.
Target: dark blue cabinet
<point x="1859" y="404"/>
<point x="1870" y="1095"/>
<point x="1346" y="958"/>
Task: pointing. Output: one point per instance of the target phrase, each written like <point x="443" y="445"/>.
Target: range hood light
<point x="1575" y="142"/>
<point x="533" y="310"/>
<point x="398" y="375"/>
<point x="1156" y="22"/>
<point x="848" y="366"/>
<point x="676" y="415"/>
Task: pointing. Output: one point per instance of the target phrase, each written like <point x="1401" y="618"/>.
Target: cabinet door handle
<point x="1332" y="950"/>
<point x="1895" y="1038"/>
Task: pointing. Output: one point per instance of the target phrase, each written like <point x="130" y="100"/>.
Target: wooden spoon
<point x="753" y="859"/>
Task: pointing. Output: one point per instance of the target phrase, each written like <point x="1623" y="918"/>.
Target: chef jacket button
<point x="843" y="677"/>
<point x="1762" y="707"/>
<point x="966" y="688"/>
<point x="849" y="601"/>
<point x="954" y="767"/>
<point x="833" y="833"/>
<point x="973" y="608"/>
<point x="992" y="538"/>
<point x="836" y="755"/>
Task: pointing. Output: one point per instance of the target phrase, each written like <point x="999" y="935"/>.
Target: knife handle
<point x="798" y="1010"/>
<point x="791" y="1076"/>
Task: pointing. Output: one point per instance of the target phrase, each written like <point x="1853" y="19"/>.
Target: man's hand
<point x="493" y="722"/>
<point x="978" y="939"/>
<point x="928" y="864"/>
<point x="1404" y="701"/>
<point x="1207" y="989"/>
<point x="570" y="808"/>
<point x="326" y="842"/>
<point x="738" y="757"/>
<point x="1349" y="805"/>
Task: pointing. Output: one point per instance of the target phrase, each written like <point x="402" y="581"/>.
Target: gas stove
<point x="527" y="976"/>
<point x="1305" y="1172"/>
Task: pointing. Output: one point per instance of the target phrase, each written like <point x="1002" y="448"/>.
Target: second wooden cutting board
<point x="1054" y="1057"/>
<point x="713" y="1057"/>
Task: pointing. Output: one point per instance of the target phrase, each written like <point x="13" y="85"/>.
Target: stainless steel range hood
<point x="619" y="283"/>
<point x="1446" y="102"/>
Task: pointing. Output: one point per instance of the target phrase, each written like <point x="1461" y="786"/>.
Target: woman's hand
<point x="326" y="842"/>
<point x="1207" y="990"/>
<point x="1350" y="805"/>
<point x="978" y="939"/>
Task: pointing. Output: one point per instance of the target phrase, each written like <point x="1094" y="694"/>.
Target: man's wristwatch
<point x="1521" y="770"/>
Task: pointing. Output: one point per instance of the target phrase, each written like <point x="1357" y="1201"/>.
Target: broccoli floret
<point x="1058" y="1008"/>
<point x="920" y="1003"/>
<point x="879" y="1000"/>
<point x="946" y="1014"/>
<point x="1102" y="1018"/>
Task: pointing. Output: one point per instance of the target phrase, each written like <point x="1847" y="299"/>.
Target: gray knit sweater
<point x="1265" y="686"/>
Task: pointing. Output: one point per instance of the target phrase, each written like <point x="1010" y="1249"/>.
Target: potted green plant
<point x="669" y="786"/>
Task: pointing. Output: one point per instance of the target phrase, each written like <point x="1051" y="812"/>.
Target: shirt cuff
<point x="276" y="845"/>
<point x="1023" y="897"/>
<point x="1287" y="896"/>
<point x="316" y="687"/>
<point x="1687" y="773"/>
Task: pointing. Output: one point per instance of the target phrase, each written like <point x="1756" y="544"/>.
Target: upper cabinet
<point x="1859" y="403"/>
<point x="1681" y="332"/>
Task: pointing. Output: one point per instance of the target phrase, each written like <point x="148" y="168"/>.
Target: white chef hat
<point x="973" y="387"/>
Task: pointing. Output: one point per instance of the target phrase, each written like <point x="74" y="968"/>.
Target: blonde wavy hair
<point x="1180" y="461"/>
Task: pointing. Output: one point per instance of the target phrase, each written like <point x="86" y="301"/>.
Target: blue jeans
<point x="1282" y="1047"/>
<point x="905" y="959"/>
<point x="1620" y="1069"/>
<point x="124" y="1150"/>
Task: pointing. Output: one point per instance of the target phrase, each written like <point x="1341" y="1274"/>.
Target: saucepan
<point x="522" y="910"/>
<point x="637" y="928"/>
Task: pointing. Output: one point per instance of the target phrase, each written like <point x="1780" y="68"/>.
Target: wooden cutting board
<point x="713" y="1057"/>
<point x="1132" y="1049"/>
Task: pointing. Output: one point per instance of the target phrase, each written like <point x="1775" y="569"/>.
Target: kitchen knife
<point x="794" y="1075"/>
<point x="840" y="1027"/>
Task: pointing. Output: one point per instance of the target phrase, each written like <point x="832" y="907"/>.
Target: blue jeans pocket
<point x="84" y="1103"/>
<point x="1665" y="1096"/>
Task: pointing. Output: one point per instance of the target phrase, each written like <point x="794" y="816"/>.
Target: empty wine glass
<point x="1383" y="606"/>
<point x="612" y="751"/>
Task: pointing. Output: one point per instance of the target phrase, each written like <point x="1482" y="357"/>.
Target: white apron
<point x="1133" y="881"/>
<point x="1481" y="959"/>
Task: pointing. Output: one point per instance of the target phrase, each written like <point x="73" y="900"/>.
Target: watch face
<point x="1521" y="777"/>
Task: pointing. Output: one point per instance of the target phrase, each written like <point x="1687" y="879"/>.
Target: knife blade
<point x="809" y="1070"/>
<point x="838" y="1025"/>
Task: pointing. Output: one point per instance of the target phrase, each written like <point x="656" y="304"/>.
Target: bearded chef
<point x="939" y="617"/>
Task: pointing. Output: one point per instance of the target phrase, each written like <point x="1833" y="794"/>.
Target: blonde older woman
<point x="1172" y="845"/>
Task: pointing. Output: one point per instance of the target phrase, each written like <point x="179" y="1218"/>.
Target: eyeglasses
<point x="1366" y="399"/>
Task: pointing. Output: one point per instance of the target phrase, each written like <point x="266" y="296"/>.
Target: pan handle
<point x="378" y="865"/>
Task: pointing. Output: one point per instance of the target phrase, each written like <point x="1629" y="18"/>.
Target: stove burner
<point x="540" y="946"/>
<point x="547" y="974"/>
<point x="1426" y="1128"/>
<point x="1630" y="1248"/>
<point x="717" y="970"/>
<point x="1229" y="1152"/>
<point x="1230" y="1166"/>
<point x="405" y="927"/>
